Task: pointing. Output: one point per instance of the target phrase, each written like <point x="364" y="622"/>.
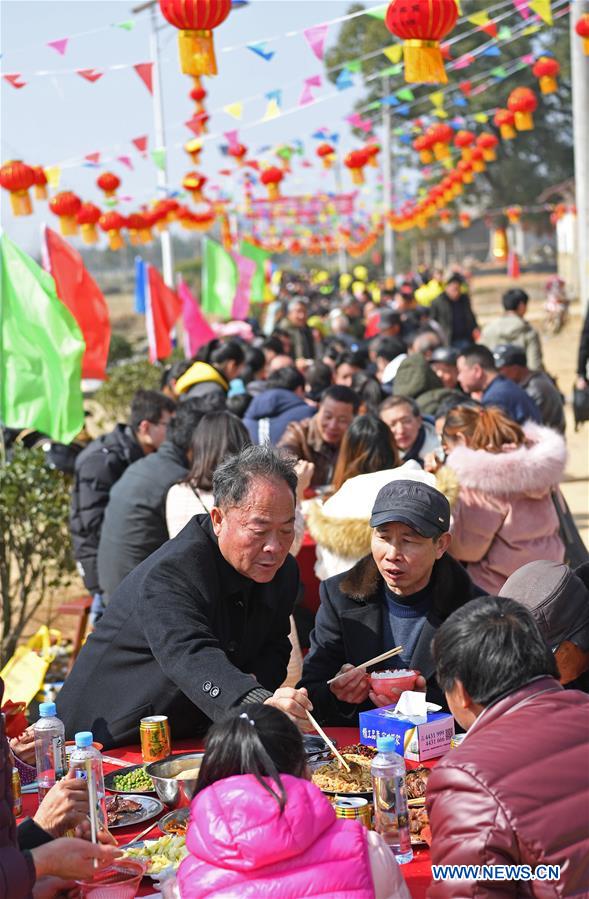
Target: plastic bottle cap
<point x="83" y="739"/>
<point x="386" y="744"/>
<point x="47" y="709"/>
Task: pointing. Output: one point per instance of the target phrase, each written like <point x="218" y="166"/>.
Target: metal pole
<point x="160" y="142"/>
<point x="580" y="86"/>
<point x="342" y="260"/>
<point x="387" y="182"/>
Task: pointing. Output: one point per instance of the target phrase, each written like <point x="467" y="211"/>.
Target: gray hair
<point x="298" y="301"/>
<point x="426" y="340"/>
<point x="233" y="478"/>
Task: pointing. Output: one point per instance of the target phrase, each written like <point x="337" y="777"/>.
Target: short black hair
<point x="512" y="298"/>
<point x="477" y="354"/>
<point x="148" y="405"/>
<point x="174" y="371"/>
<point x="185" y="422"/>
<point x="239" y="403"/>
<point x="456" y="278"/>
<point x="288" y="377"/>
<point x="357" y="359"/>
<point x="389" y="348"/>
<point x="341" y="394"/>
<point x="493" y="646"/>
<point x="274" y="344"/>
<point x="389" y="319"/>
<point x="233" y="477"/>
<point x="318" y="378"/>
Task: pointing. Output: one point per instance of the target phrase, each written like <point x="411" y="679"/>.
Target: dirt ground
<point x="560" y="356"/>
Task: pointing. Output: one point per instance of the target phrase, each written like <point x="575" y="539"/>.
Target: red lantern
<point x="238" y="152"/>
<point x="582" y="29"/>
<point x="108" y="182"/>
<point x="198" y="94"/>
<point x="17" y="177"/>
<point x="112" y="223"/>
<point x="355" y="162"/>
<point x="445" y="216"/>
<point x="40" y="183"/>
<point x="504" y="119"/>
<point x="477" y="161"/>
<point x="487" y="142"/>
<point x="514" y="214"/>
<point x="465" y="169"/>
<point x="326" y="154"/>
<point x="464" y="141"/>
<point x="500" y="245"/>
<point x="271" y="178"/>
<point x="522" y="101"/>
<point x="87" y="218"/>
<point x="372" y="151"/>
<point x="66" y="206"/>
<point x="138" y="227"/>
<point x="422" y="24"/>
<point x="440" y="136"/>
<point x="196" y="19"/>
<point x="194" y="149"/>
<point x="194" y="182"/>
<point x="423" y="145"/>
<point x="464" y="219"/>
<point x="547" y="70"/>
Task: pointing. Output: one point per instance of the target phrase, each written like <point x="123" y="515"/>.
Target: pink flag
<point x="315" y="38"/>
<point x="94" y="158"/>
<point x="464" y="61"/>
<point x="15" y="80"/>
<point x="522" y="8"/>
<point x="307" y="93"/>
<point x="246" y="269"/>
<point x="232" y="138"/>
<point x="140" y="143"/>
<point x="197" y="330"/>
<point x="59" y="45"/>
<point x="145" y="72"/>
<point x="90" y="74"/>
<point x="126" y="160"/>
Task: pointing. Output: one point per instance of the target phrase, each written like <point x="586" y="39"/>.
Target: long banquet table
<point x="417" y="873"/>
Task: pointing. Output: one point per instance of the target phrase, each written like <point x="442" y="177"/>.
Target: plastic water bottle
<point x="49" y="748"/>
<point x="86" y="761"/>
<point x="391" y="815"/>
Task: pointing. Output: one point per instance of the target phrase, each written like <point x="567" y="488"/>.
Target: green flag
<point x="259" y="256"/>
<point x="219" y="279"/>
<point x="41" y="349"/>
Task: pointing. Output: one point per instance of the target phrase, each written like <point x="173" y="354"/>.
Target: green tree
<point x="115" y="394"/>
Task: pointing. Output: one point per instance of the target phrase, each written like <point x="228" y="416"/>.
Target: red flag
<point x="140" y="143"/>
<point x="93" y="158"/>
<point x="513" y="266"/>
<point x="78" y="290"/>
<point x="15" y="80"/>
<point x="163" y="309"/>
<point x="90" y="74"/>
<point x="145" y="72"/>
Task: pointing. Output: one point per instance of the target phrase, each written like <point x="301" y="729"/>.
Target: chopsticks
<point x="324" y="736"/>
<point x="380" y="658"/>
<point x="140" y="835"/>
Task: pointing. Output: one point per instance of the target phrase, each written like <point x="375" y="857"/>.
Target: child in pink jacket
<point x="259" y="828"/>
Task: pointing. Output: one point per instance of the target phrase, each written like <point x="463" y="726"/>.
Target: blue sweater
<point x="514" y="401"/>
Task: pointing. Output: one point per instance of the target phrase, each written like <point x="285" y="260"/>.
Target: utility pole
<point x="580" y="86"/>
<point x="160" y="134"/>
<point x="387" y="182"/>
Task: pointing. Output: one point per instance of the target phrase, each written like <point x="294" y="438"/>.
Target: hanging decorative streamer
<point x="15" y="80"/>
<point x="260" y="50"/>
<point x="543" y="9"/>
<point x="140" y="143"/>
<point x="307" y="93"/>
<point x="60" y="46"/>
<point x="90" y="74"/>
<point x="235" y="110"/>
<point x="145" y="72"/>
<point x="316" y="37"/>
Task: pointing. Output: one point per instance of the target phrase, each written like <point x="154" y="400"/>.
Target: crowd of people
<point x="423" y="456"/>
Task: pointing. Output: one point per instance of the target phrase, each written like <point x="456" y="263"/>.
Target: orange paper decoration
<point x="17" y="177"/>
<point x="422" y="24"/>
<point x="196" y="20"/>
<point x="40" y="183"/>
<point x="326" y="154"/>
<point x="440" y="137"/>
<point x="423" y="145"/>
<point x="488" y="143"/>
<point x="87" y="218"/>
<point x="464" y="141"/>
<point x="522" y="102"/>
<point x="504" y="119"/>
<point x="112" y="223"/>
<point x="355" y="162"/>
<point x="547" y="70"/>
<point x="194" y="149"/>
<point x="66" y="206"/>
<point x="194" y="182"/>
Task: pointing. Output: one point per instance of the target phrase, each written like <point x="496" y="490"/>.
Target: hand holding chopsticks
<point x="380" y="658"/>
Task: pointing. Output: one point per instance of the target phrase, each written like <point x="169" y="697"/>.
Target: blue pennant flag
<point x="274" y="95"/>
<point x="140" y="285"/>
<point x="344" y="79"/>
<point x="459" y="100"/>
<point x="260" y="50"/>
<point x="391" y="100"/>
<point x="403" y="109"/>
<point x="493" y="50"/>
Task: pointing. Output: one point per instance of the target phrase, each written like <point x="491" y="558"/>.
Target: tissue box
<point x="419" y="741"/>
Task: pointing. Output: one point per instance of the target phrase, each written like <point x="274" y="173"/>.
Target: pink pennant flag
<point x="60" y="45"/>
<point x="126" y="160"/>
<point x="90" y="74"/>
<point x="307" y="93"/>
<point x="366" y="126"/>
<point x="145" y="72"/>
<point x="94" y="158"/>
<point x="232" y="138"/>
<point x="354" y="119"/>
<point x="464" y="61"/>
<point x="522" y="8"/>
<point x="528" y="59"/>
<point x="197" y="330"/>
<point x="245" y="272"/>
<point x="15" y="80"/>
<point x="140" y="143"/>
<point x="315" y="38"/>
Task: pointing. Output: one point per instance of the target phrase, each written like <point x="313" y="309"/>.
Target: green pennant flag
<point x="259" y="256"/>
<point x="405" y="94"/>
<point x="159" y="157"/>
<point x="355" y="65"/>
<point x="392" y="70"/>
<point x="41" y="349"/>
<point x="377" y="12"/>
<point x="219" y="279"/>
<point x="128" y="25"/>
<point x="499" y="72"/>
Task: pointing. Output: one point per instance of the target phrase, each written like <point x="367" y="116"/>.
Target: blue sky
<point x="60" y="118"/>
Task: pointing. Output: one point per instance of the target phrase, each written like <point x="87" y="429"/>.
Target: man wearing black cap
<point x="443" y="361"/>
<point x="397" y="595"/>
<point x="511" y="363"/>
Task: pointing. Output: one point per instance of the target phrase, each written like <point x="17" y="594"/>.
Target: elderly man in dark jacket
<point x="203" y="624"/>
<point x="135" y="520"/>
<point x="453" y="312"/>
<point x="100" y="465"/>
<point x="398" y="595"/>
<point x="516" y="791"/>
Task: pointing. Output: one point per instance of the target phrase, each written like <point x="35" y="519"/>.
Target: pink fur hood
<point x="530" y="469"/>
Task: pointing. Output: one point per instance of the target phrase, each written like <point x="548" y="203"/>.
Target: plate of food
<point x="419" y="826"/>
<point x="334" y="780"/>
<point x="175" y="822"/>
<point x="162" y="856"/>
<point x="132" y="779"/>
<point x="416" y="782"/>
<point x="124" y="810"/>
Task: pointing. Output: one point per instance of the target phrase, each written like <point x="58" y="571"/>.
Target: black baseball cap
<point x="509" y="354"/>
<point x="445" y="354"/>
<point x="418" y="505"/>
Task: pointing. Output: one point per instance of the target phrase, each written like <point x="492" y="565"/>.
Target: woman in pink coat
<point x="259" y="828"/>
<point x="505" y="516"/>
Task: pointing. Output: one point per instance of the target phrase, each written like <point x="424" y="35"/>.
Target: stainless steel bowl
<point x="175" y="793"/>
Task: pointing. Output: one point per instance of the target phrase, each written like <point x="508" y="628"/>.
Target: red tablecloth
<point x="417" y="873"/>
<point x="306" y="558"/>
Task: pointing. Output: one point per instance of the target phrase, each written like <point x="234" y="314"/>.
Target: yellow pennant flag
<point x="235" y="110"/>
<point x="459" y="6"/>
<point x="437" y="98"/>
<point x="440" y="113"/>
<point x="544" y="10"/>
<point x="481" y="117"/>
<point x="531" y="29"/>
<point x="394" y="53"/>
<point x="479" y="18"/>
<point x="272" y="111"/>
<point x="53" y="174"/>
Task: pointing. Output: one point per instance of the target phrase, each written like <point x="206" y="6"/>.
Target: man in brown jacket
<point x="516" y="791"/>
<point x="318" y="439"/>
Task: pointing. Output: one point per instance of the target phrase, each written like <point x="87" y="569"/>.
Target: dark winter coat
<point x="516" y="792"/>
<point x="17" y="871"/>
<point x="542" y="390"/>
<point x="512" y="399"/>
<point x="350" y="627"/>
<point x="416" y="378"/>
<point x="185" y="636"/>
<point x="135" y="519"/>
<point x="271" y="411"/>
<point x="456" y="318"/>
<point x="98" y="467"/>
<point x="303" y="345"/>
